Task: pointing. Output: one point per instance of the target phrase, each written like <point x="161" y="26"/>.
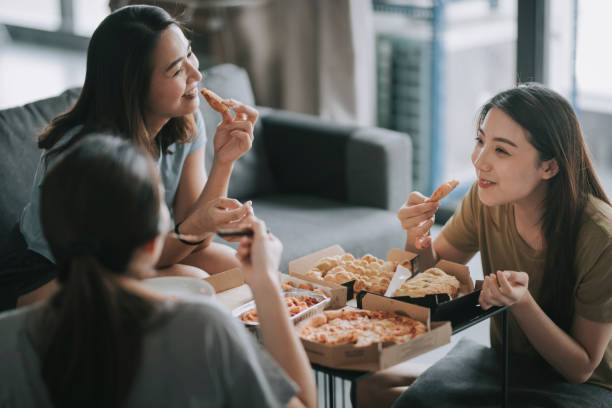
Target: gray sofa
<point x="315" y="183"/>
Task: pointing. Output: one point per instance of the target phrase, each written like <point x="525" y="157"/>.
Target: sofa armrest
<point x="357" y="165"/>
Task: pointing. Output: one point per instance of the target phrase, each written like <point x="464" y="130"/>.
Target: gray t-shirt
<point x="170" y="167"/>
<point x="197" y="355"/>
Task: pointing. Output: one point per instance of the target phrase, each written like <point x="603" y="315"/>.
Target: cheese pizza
<point x="361" y="328"/>
<point x="430" y="282"/>
<point x="295" y="305"/>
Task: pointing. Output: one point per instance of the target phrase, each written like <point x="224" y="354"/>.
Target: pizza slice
<point x="214" y="100"/>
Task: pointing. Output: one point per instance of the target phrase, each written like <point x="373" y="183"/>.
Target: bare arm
<point x="576" y="355"/>
<point x="199" y="204"/>
<point x="445" y="250"/>
<point x="191" y="185"/>
<point x="259" y="257"/>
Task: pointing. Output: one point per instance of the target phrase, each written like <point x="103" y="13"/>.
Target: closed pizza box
<point x="300" y="266"/>
<point x="379" y="356"/>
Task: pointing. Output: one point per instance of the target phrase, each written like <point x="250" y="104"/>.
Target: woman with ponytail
<point x="543" y="226"/>
<point x="106" y="340"/>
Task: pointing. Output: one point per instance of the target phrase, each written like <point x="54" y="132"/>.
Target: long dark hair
<point x="99" y="203"/>
<point x="553" y="129"/>
<point x="113" y="97"/>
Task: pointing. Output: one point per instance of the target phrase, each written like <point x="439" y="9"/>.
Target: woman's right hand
<point x="260" y="254"/>
<point x="417" y="218"/>
<point x="234" y="135"/>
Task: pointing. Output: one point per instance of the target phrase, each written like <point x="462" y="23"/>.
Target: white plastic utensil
<point x="400" y="276"/>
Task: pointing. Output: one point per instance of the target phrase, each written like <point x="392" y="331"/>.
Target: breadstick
<point x="214" y="100"/>
<point x="442" y="191"/>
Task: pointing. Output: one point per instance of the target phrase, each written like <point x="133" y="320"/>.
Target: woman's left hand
<point x="234" y="135"/>
<point x="504" y="288"/>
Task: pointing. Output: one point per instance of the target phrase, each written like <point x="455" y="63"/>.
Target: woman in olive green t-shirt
<point x="543" y="225"/>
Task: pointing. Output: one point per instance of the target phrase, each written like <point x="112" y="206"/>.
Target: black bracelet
<point x="176" y="230"/>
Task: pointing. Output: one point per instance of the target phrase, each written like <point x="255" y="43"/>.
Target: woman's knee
<point x="183" y="270"/>
<point x="213" y="259"/>
<point x="384" y="387"/>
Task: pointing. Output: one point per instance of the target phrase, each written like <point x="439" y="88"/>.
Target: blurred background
<point x="419" y="66"/>
<point x="423" y="67"/>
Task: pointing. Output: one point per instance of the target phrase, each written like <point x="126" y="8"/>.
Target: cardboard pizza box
<point x="297" y="283"/>
<point x="459" y="271"/>
<point x="300" y="266"/>
<point x="232" y="291"/>
<point x="379" y="356"/>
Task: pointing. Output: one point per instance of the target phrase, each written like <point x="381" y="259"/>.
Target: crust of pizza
<point x="214" y="100"/>
<point x="430" y="282"/>
<point x="361" y="328"/>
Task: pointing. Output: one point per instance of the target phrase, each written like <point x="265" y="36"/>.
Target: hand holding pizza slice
<point x="234" y="135"/>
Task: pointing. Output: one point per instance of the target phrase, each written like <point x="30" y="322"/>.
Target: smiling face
<point x="173" y="90"/>
<point x="506" y="163"/>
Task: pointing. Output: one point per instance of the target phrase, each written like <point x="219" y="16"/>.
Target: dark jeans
<point x="21" y="270"/>
<point x="470" y="376"/>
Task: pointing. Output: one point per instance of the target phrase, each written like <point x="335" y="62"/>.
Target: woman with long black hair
<point x="142" y="83"/>
<point x="543" y="226"/>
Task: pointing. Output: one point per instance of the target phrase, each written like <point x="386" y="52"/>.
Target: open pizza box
<point x="459" y="271"/>
<point x="300" y="266"/>
<point x="379" y="356"/>
<point x="232" y="291"/>
<point x="230" y="288"/>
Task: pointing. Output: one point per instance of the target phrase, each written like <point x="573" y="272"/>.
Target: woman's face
<point x="173" y="90"/>
<point x="507" y="165"/>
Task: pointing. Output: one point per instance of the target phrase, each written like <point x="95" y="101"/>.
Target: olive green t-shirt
<point x="492" y="231"/>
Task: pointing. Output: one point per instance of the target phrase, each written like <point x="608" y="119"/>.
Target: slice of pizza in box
<point x="376" y="355"/>
<point x="336" y="268"/>
<point x="431" y="287"/>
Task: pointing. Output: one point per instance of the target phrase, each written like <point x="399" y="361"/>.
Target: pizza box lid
<point x="299" y="267"/>
<point x="435" y="301"/>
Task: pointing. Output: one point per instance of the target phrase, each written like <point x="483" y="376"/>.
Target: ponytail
<point x="89" y="338"/>
<point x="92" y="338"/>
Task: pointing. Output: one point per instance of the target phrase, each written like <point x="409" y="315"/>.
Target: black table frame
<point x="354" y="376"/>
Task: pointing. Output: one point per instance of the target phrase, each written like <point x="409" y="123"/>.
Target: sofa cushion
<point x="19" y="130"/>
<point x="251" y="175"/>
